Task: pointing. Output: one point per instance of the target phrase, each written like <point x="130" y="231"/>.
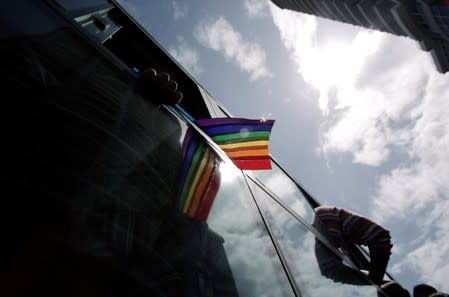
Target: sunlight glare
<point x="228" y="172"/>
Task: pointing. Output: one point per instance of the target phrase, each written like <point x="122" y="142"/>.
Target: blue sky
<point x="361" y="116"/>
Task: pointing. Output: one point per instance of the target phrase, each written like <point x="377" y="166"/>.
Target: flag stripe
<point x="262" y="135"/>
<point x="191" y="174"/>
<point x="186" y="143"/>
<point x="228" y="129"/>
<point x="249" y="153"/>
<point x="253" y="164"/>
<point x="199" y="172"/>
<point x="201" y="185"/>
<point x="244" y="144"/>
<point x="244" y="141"/>
<point x="209" y="196"/>
<point x="245" y="148"/>
<point x="192" y="147"/>
<point x="230" y="121"/>
<point x="240" y="140"/>
<point x="252" y="158"/>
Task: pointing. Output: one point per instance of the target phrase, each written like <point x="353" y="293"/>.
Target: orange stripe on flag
<point x="262" y="152"/>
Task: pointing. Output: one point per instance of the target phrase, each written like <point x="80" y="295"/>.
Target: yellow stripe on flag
<point x="244" y="144"/>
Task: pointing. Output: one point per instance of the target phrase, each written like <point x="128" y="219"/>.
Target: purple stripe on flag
<point x="193" y="145"/>
<point x="236" y="129"/>
<point x="186" y="143"/>
<point x="231" y="121"/>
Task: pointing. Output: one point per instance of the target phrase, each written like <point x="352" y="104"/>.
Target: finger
<point x="178" y="97"/>
<point x="172" y="86"/>
<point x="152" y="71"/>
<point x="149" y="73"/>
<point x="163" y="77"/>
<point x="175" y="98"/>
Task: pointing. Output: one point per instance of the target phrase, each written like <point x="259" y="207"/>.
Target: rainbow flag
<point x="199" y="178"/>
<point x="245" y="141"/>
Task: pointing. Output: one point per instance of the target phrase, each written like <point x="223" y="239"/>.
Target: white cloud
<point x="253" y="262"/>
<point x="256" y="8"/>
<point x="389" y="98"/>
<point x="187" y="56"/>
<point x="430" y="258"/>
<point x="326" y="65"/>
<point x="288" y="193"/>
<point x="180" y="10"/>
<point x="220" y="36"/>
<point x="419" y="192"/>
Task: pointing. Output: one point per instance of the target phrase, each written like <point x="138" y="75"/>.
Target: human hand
<point x="159" y="87"/>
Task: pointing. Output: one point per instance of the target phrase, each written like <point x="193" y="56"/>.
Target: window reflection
<point x="286" y="190"/>
<point x="199" y="177"/>
<point x="214" y="109"/>
<point x="96" y="203"/>
<point x="253" y="259"/>
<point x="209" y="184"/>
<point x="299" y="247"/>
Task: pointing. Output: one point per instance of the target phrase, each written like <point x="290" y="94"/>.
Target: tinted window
<point x="213" y="107"/>
<point x="309" y="259"/>
<point x="286" y="189"/>
<point x="80" y="4"/>
<point x="26" y="17"/>
<point x="110" y="195"/>
<point x="254" y="262"/>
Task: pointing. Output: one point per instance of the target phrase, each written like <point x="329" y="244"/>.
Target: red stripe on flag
<point x="246" y="164"/>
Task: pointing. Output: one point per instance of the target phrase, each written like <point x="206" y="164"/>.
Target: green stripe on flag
<point x="260" y="135"/>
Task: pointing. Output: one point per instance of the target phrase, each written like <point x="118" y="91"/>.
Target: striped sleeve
<point x="329" y="217"/>
<point x="361" y="230"/>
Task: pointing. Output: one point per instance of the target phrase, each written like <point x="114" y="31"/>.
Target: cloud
<point x="288" y="192"/>
<point x="418" y="193"/>
<point x="220" y="36"/>
<point x="187" y="56"/>
<point x="375" y="91"/>
<point x="322" y="64"/>
<point x="256" y="8"/>
<point x="388" y="100"/>
<point x="180" y="10"/>
<point x="252" y="258"/>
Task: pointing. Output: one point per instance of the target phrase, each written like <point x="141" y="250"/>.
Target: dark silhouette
<point x="91" y="175"/>
<point x="423" y="290"/>
<point x="439" y="294"/>
<point x="343" y="228"/>
<point x="393" y="289"/>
